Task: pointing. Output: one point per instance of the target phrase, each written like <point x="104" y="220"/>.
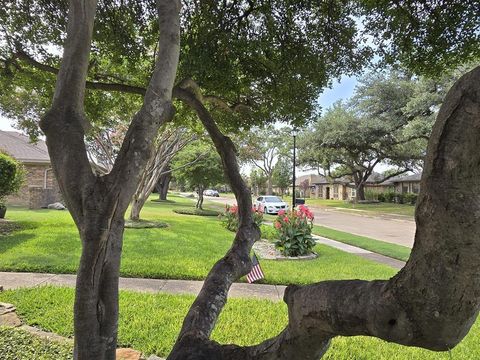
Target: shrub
<point x="230" y="217"/>
<point x="389" y="196"/>
<point x="269" y="233"/>
<point x="295" y="232"/>
<point x="399" y="198"/>
<point x="371" y="195"/>
<point x="410" y="198"/>
<point x="11" y="177"/>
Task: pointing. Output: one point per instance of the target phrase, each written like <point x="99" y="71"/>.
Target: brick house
<point x="40" y="187"/>
<point x="406" y="183"/>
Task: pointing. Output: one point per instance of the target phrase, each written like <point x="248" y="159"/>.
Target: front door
<point x="327" y="193"/>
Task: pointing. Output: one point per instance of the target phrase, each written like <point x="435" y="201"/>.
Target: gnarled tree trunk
<point x="98" y="203"/>
<point x="431" y="303"/>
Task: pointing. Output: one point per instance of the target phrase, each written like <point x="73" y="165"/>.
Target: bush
<point x="410" y="198"/>
<point x="230" y="217"/>
<point x="389" y="196"/>
<point x="11" y="177"/>
<point x="371" y="195"/>
<point x="198" y="212"/>
<point x="295" y="232"/>
<point x="399" y="198"/>
<point x="269" y="233"/>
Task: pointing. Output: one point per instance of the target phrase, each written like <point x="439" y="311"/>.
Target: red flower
<point x="281" y="212"/>
<point x="286" y="219"/>
<point x="277" y="225"/>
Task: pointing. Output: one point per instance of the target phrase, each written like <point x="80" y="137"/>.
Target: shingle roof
<point x="19" y="146"/>
<point x="413" y="177"/>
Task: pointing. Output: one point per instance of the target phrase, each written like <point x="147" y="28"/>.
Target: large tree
<point x="263" y="147"/>
<point x="199" y="167"/>
<point x="432" y="302"/>
<point x="388" y="121"/>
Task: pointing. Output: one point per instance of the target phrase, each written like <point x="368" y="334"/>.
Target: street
<point x="392" y="230"/>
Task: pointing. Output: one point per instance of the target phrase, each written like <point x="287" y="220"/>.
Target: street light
<point x="294" y="133"/>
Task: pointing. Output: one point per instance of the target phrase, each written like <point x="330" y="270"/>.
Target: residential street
<point x="394" y="230"/>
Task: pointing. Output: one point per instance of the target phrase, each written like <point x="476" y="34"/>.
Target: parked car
<point x="211" y="192"/>
<point x="270" y="204"/>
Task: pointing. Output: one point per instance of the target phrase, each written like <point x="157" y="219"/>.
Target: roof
<point x="19" y="147"/>
<point x="407" y="178"/>
<point x="312" y="179"/>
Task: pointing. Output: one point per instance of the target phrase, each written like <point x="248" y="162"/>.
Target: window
<point x="416" y="188"/>
<point x="260" y="198"/>
<point x="335" y="191"/>
<point x="320" y="191"/>
<point x="354" y="193"/>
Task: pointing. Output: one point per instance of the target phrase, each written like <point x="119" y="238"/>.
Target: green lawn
<point x="150" y="323"/>
<point x="186" y="249"/>
<point x="381" y="247"/>
<point x="374" y="209"/>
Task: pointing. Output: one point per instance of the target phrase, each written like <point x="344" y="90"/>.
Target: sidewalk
<point x="15" y="280"/>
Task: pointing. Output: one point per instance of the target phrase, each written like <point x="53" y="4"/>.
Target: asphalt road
<point x="394" y="230"/>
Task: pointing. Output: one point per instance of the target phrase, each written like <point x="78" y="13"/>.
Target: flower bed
<point x="295" y="232"/>
<point x="230" y="217"/>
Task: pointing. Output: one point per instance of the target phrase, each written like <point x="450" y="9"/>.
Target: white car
<point x="210" y="192"/>
<point x="270" y="204"/>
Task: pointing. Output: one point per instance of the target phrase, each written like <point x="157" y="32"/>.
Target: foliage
<point x="198" y="165"/>
<point x="295" y="232"/>
<point x="388" y="121"/>
<point x="398" y="198"/>
<point x="428" y="37"/>
<point x="18" y="344"/>
<point x="230" y="217"/>
<point x="263" y="148"/>
<point x="199" y="212"/>
<point x="257" y="181"/>
<point x="269" y="233"/>
<point x="11" y="176"/>
<point x="282" y="174"/>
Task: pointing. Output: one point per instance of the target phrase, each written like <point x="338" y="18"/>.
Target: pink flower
<point x="286" y="219"/>
<point x="281" y="213"/>
<point x="277" y="225"/>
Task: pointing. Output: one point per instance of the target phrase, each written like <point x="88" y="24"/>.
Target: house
<point x="406" y="183"/>
<point x="342" y="188"/>
<point x="40" y="187"/>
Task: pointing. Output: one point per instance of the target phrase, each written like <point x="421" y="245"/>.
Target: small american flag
<point x="256" y="273"/>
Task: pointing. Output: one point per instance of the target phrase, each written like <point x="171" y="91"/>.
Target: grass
<point x="198" y="212"/>
<point x="150" y="323"/>
<point x="18" y="344"/>
<point x="380" y="247"/>
<point x="187" y="249"/>
<point x="144" y="224"/>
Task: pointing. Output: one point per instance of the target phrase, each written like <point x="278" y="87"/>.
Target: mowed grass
<point x="150" y="323"/>
<point x="380" y="247"/>
<point x="374" y="209"/>
<point x="186" y="249"/>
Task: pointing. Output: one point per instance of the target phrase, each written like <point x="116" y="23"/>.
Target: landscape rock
<point x="128" y="354"/>
<point x="56" y="206"/>
<point x="8" y="316"/>
<point x="155" y="357"/>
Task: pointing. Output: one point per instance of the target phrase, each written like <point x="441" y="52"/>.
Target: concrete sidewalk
<point x="15" y="280"/>
<point x="366" y="254"/>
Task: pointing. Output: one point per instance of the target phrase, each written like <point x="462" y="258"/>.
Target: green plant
<point x="230" y="217"/>
<point x="11" y="177"/>
<point x="295" y="232"/>
<point x="410" y="198"/>
<point x="389" y="196"/>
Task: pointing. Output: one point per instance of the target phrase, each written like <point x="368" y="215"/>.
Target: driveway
<point x="392" y="230"/>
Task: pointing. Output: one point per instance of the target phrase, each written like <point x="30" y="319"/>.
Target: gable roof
<point x="19" y="147"/>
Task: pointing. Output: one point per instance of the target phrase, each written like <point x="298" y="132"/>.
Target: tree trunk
<point x="200" y="198"/>
<point x="269" y="185"/>
<point x="163" y="184"/>
<point x="360" y="193"/>
<point x="137" y="206"/>
<point x="96" y="293"/>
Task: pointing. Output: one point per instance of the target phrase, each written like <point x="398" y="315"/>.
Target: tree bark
<point x="163" y="185"/>
<point x="431" y="303"/>
<point x="98" y="203"/>
<point x="269" y="185"/>
<point x="360" y="193"/>
<point x="199" y="204"/>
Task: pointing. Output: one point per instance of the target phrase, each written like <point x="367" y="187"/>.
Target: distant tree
<point x="262" y="148"/>
<point x="388" y="121"/>
<point x="258" y="181"/>
<point x="11" y="178"/>
<point x="304" y="186"/>
<point x="282" y="174"/>
<point x="199" y="166"/>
